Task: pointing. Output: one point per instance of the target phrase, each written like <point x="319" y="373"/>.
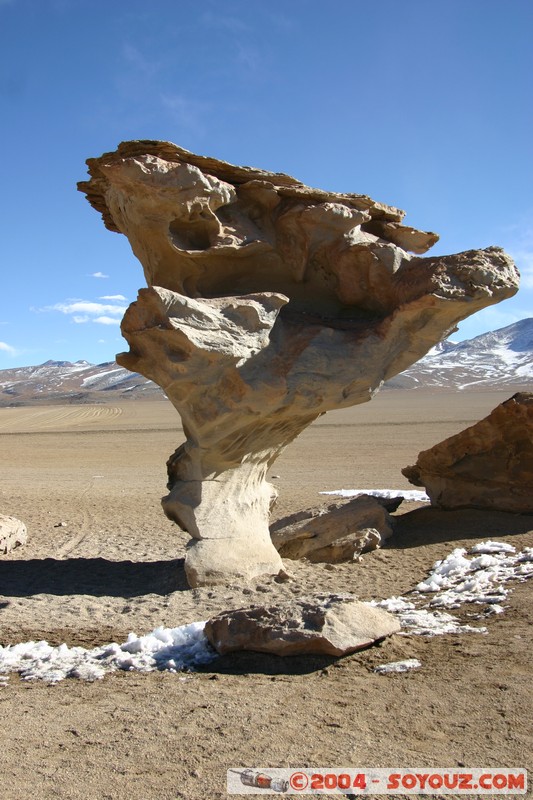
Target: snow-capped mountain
<point x="493" y="360"/>
<point x="79" y="382"/>
<point x="502" y="358"/>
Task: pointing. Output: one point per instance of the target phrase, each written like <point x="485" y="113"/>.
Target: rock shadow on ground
<point x="97" y="577"/>
<point x="428" y="525"/>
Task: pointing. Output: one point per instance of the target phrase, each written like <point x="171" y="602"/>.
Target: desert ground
<point x="115" y="565"/>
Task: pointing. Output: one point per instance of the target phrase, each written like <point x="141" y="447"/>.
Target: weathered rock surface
<point x="338" y="532"/>
<point x="12" y="534"/>
<point x="333" y="625"/>
<point x="489" y="465"/>
<point x="269" y="303"/>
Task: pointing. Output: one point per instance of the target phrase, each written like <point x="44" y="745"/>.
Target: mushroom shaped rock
<point x="268" y="303"/>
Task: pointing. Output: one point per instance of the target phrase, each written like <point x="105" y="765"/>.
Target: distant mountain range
<point x="78" y="382"/>
<point x="497" y="359"/>
<point x="500" y="359"/>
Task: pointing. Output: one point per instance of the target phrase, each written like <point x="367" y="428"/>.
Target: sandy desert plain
<point x="116" y="565"/>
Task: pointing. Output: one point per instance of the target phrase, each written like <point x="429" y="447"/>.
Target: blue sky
<point x="422" y="104"/>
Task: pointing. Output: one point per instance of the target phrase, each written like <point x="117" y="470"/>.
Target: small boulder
<point x="12" y="534"/>
<point x="338" y="532"/>
<point x="332" y="624"/>
<point x="489" y="465"/>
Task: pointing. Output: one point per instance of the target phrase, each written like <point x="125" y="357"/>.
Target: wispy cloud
<point x="495" y="318"/>
<point x="223" y="22"/>
<point x="185" y="112"/>
<point x="240" y="35"/>
<point x="142" y="83"/>
<point x="98" y="275"/>
<point x="113" y="297"/>
<point x="136" y="59"/>
<point x="249" y="56"/>
<point x="523" y="256"/>
<point x="518" y="241"/>
<point x="4" y="347"/>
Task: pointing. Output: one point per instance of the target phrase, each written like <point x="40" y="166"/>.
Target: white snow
<point x="498" y="358"/>
<point x="397" y="666"/>
<point x="474" y="576"/>
<point x="493" y="547"/>
<point x="171" y="649"/>
<point x="99" y="375"/>
<point x="421" y="622"/>
<point x="479" y="579"/>
<point x="394" y="605"/>
<point x="388" y="494"/>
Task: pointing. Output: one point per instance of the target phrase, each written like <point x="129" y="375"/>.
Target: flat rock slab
<point x="12" y="534"/>
<point x="335" y="533"/>
<point x="489" y="465"/>
<point x="332" y="624"/>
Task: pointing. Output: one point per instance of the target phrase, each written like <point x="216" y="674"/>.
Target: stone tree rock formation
<point x="269" y="303"/>
<point x="489" y="465"/>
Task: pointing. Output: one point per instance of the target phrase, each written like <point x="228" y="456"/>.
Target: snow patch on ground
<point x="474" y="576"/>
<point x="397" y="666"/>
<point x="172" y="649"/>
<point x="480" y="578"/>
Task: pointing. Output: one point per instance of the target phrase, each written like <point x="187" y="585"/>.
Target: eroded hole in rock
<point x="190" y="234"/>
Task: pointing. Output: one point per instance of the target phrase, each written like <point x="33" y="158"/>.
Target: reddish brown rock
<point x="333" y="625"/>
<point x="489" y="465"/>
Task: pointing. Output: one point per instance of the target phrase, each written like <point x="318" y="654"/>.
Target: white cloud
<point x="98" y="275"/>
<point x="6" y="348"/>
<point x="83" y="311"/>
<point x="85" y="307"/>
<point x="103" y="320"/>
<point x="113" y="297"/>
